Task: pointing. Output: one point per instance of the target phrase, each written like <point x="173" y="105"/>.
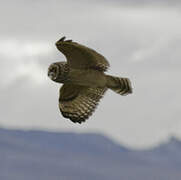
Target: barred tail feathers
<point x="119" y="85"/>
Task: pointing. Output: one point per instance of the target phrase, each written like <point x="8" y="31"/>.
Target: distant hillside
<point x="38" y="155"/>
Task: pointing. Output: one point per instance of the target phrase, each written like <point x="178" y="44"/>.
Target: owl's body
<point x="84" y="79"/>
<point x="88" y="77"/>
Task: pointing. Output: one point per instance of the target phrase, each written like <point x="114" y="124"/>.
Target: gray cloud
<point x="45" y="20"/>
<point x="148" y="2"/>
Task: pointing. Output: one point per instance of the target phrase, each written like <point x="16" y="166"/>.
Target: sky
<point x="140" y="38"/>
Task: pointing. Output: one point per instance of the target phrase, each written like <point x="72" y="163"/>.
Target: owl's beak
<point x="51" y="75"/>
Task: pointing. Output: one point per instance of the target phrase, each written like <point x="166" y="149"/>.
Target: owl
<point x="84" y="80"/>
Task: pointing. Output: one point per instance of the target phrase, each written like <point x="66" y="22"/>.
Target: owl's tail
<point x="119" y="85"/>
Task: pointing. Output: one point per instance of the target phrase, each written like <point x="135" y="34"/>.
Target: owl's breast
<point x="91" y="78"/>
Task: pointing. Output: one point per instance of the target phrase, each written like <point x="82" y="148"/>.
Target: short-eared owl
<point x="84" y="80"/>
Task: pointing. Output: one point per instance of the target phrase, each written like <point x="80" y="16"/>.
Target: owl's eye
<point x="54" y="70"/>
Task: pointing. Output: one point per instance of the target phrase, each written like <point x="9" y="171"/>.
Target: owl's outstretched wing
<point x="78" y="102"/>
<point x="81" y="57"/>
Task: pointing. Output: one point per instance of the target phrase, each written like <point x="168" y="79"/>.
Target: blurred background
<point x="140" y="38"/>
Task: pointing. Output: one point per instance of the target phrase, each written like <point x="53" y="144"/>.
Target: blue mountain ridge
<point x="41" y="155"/>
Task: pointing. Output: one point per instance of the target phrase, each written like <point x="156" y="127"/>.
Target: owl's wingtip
<point x="79" y="121"/>
<point x="62" y="40"/>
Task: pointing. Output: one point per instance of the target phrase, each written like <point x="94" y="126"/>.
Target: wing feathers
<point x="82" y="105"/>
<point x="79" y="56"/>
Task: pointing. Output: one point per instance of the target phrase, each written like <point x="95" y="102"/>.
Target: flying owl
<point x="84" y="80"/>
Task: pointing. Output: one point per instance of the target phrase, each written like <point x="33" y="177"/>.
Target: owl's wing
<point x="78" y="102"/>
<point x="81" y="57"/>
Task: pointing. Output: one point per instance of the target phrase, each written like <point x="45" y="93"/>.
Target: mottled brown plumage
<point x="84" y="80"/>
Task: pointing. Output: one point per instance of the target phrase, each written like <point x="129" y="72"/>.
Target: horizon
<point x="112" y="139"/>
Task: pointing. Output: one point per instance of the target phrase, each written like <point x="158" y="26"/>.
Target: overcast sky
<point x="141" y="40"/>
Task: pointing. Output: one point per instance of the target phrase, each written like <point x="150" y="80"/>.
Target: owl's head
<point x="58" y="71"/>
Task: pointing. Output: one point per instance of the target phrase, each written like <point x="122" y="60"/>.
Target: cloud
<point x="45" y="20"/>
<point x="21" y="59"/>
